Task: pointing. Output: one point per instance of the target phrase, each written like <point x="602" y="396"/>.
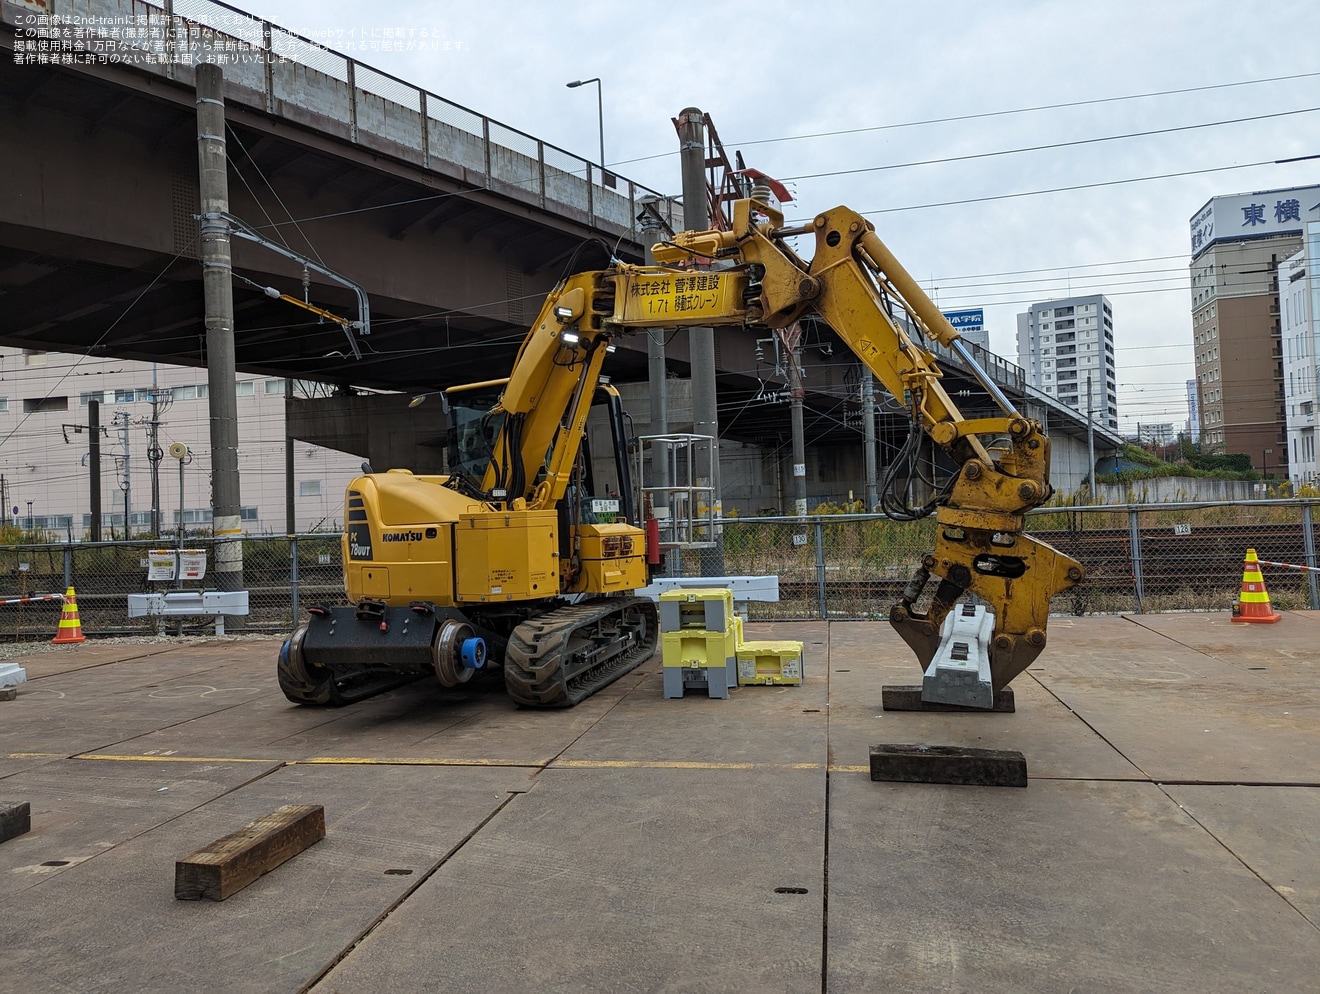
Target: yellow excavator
<point x="507" y="562"/>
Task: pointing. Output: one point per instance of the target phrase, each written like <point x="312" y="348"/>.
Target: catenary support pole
<point x="290" y="510"/>
<point x="795" y="395"/>
<point x="701" y="341"/>
<point x="218" y="290"/>
<point x="868" y="426"/>
<point x="94" y="465"/>
<point x="1090" y="442"/>
<point x="657" y="379"/>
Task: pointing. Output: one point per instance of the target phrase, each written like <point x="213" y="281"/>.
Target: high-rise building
<point x="1063" y="344"/>
<point x="1299" y="319"/>
<point x="1238" y="243"/>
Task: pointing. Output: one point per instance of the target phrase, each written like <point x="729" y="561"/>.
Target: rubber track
<point x="533" y="661"/>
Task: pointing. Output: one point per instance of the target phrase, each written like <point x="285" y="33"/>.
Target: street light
<point x="600" y="111"/>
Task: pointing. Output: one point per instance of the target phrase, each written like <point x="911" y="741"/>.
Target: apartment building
<point x="1065" y="344"/>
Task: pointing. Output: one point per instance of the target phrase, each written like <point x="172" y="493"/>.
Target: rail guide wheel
<point x="456" y="653"/>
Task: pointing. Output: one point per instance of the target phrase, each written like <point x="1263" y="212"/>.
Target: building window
<point x="248" y="513"/>
<point x="4" y="405"/>
<point x="309" y="488"/>
<point x="274" y="388"/>
<point x="41" y="405"/>
<point x="244" y="388"/>
<point x="199" y="392"/>
<point x="126" y="397"/>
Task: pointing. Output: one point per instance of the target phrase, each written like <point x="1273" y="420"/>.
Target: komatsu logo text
<point x="401" y="537"/>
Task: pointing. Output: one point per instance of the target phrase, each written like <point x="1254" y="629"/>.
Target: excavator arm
<point x="750" y="276"/>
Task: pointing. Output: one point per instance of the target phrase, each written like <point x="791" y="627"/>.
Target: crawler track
<point x="564" y="656"/>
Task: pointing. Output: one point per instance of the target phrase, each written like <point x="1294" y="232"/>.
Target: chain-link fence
<point x="1141" y="558"/>
<point x="281" y="575"/>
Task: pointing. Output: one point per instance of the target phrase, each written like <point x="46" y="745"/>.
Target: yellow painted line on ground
<point x="423" y="761"/>
<point x="172" y="759"/>
<point x="661" y="764"/>
<point x="560" y="764"/>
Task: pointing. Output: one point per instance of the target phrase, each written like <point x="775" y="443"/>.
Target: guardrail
<point x="304" y="81"/>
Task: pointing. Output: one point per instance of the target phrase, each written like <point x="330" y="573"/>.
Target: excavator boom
<point x="444" y="570"/>
<point x="749" y="276"/>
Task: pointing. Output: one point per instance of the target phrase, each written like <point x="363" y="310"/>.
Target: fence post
<point x="820" y="568"/>
<point x="68" y="567"/>
<point x="1308" y="539"/>
<point x="293" y="580"/>
<point x="1134" y="542"/>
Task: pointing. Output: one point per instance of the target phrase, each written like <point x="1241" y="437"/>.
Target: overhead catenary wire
<point x="1050" y="146"/>
<point x="984" y="115"/>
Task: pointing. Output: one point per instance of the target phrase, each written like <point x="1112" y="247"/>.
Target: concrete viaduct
<point x="455" y="225"/>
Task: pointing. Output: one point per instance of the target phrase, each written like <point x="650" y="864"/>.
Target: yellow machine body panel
<point x="398" y="539"/>
<point x="506" y="555"/>
<point x="612" y="558"/>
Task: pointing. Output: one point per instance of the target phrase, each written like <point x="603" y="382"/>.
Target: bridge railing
<point x="302" y="80"/>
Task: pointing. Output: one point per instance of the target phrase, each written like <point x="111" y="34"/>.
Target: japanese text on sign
<point x="161" y="564"/>
<point x="676" y="297"/>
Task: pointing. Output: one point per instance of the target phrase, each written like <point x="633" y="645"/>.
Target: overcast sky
<point x="770" y="71"/>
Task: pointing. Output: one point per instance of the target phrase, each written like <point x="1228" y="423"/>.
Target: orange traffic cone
<point x="1254" y="602"/>
<point x="70" y="627"/>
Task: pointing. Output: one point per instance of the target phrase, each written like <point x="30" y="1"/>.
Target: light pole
<point x="600" y="112"/>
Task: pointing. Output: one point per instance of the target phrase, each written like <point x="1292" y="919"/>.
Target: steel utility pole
<point x="1090" y="441"/>
<point x="154" y="454"/>
<point x="657" y="377"/>
<point x="868" y="427"/>
<point x="290" y="509"/>
<point x="126" y="481"/>
<point x="217" y="285"/>
<point x="701" y="341"/>
<point x="795" y="395"/>
<point x="94" y="464"/>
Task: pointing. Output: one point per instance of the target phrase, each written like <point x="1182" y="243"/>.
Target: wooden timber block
<point x="228" y="865"/>
<point x="9" y="694"/>
<point x="908" y="698"/>
<point x="948" y="764"/>
<point x="15" y="819"/>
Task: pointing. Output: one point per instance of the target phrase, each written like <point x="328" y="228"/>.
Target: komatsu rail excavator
<point x="501" y="562"/>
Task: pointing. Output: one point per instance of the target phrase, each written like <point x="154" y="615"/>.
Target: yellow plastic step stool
<point x="771" y="663"/>
<point x="696" y="658"/>
<point x="706" y="608"/>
